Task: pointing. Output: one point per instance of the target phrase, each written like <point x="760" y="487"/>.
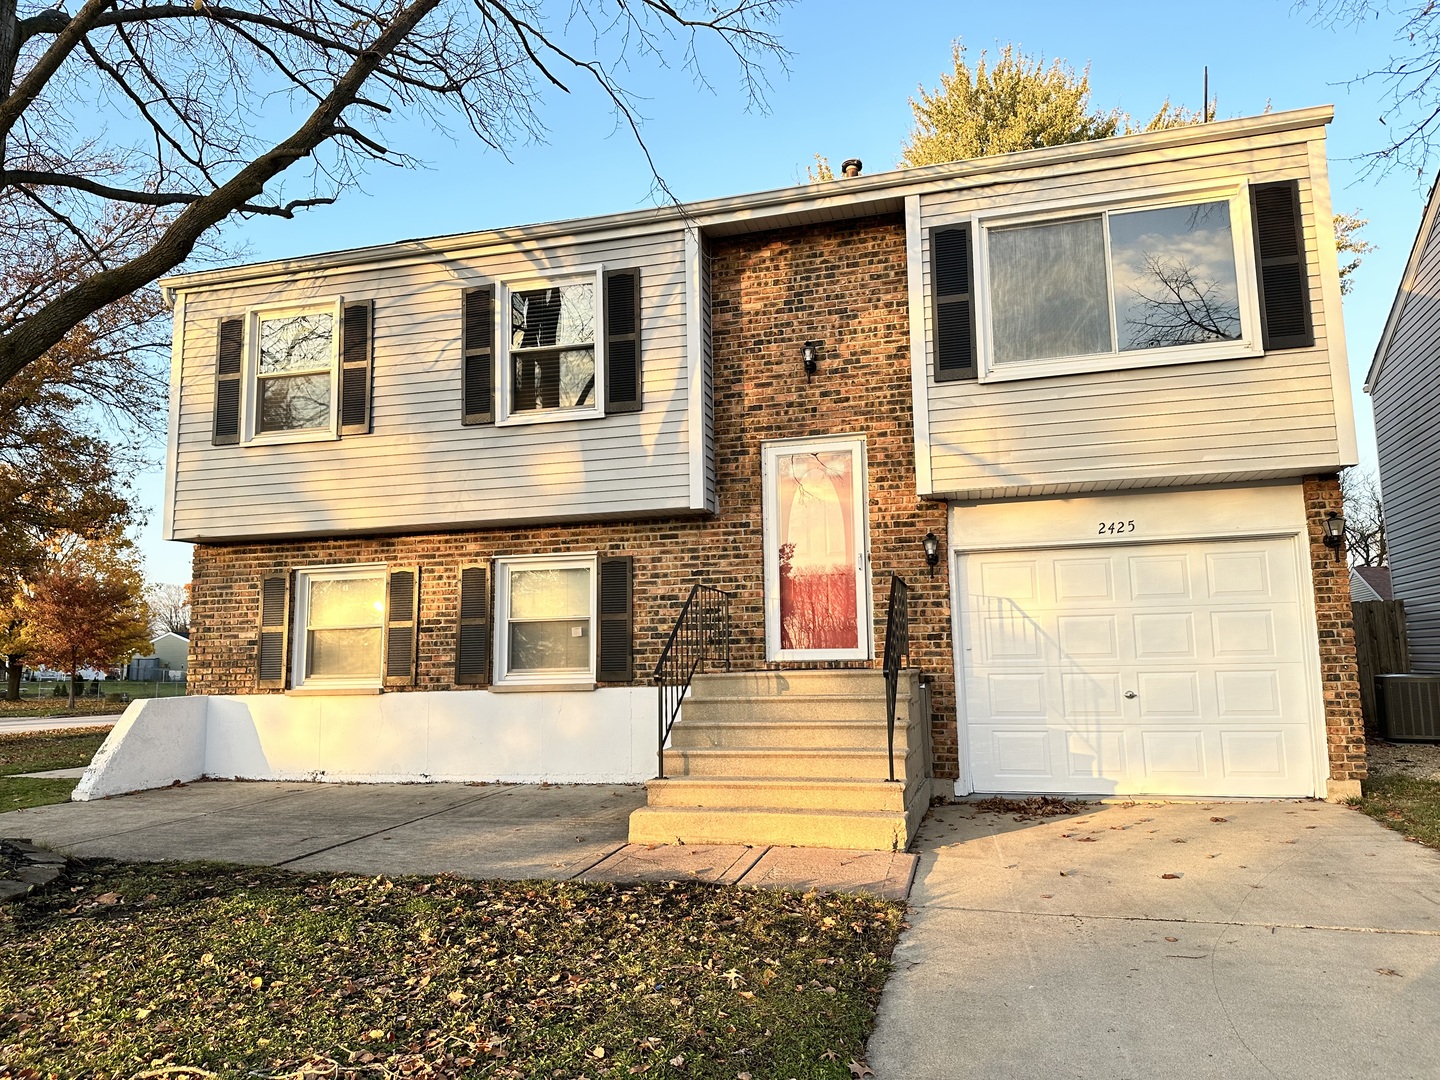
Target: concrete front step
<point x="873" y="830"/>
<point x="759" y="684"/>
<point x="801" y="708"/>
<point x="823" y="764"/>
<point x="784" y="794"/>
<point x="695" y="733"/>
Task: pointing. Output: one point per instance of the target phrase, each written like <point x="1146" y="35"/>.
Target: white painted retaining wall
<point x="596" y="737"/>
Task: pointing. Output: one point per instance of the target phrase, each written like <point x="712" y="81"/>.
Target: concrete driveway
<point x="1294" y="939"/>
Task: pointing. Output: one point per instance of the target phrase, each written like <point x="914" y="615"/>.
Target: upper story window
<point x="552" y="348"/>
<point x="562" y="348"/>
<point x="1114" y="282"/>
<point x="295" y="371"/>
<point x="293" y="374"/>
<point x="1201" y="276"/>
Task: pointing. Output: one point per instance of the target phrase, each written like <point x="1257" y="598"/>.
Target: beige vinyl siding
<point x="1208" y="422"/>
<point x="421" y="468"/>
<point x="1406" y="397"/>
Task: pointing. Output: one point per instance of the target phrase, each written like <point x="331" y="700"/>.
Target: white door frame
<point x="770" y="451"/>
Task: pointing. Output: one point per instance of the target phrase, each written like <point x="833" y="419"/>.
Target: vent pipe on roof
<point x="851" y="167"/>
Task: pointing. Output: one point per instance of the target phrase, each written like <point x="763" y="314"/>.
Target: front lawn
<point x="1405" y="804"/>
<point x="48" y="706"/>
<point x="150" y="969"/>
<point x="40" y="751"/>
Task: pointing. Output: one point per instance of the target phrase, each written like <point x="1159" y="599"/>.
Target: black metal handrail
<point x="701" y="633"/>
<point x="897" y="655"/>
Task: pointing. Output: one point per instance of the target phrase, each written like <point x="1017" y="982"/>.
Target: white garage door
<point x="1158" y="669"/>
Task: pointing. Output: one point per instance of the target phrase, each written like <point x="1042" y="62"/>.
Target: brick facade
<point x="844" y="285"/>
<point x="1344" y="725"/>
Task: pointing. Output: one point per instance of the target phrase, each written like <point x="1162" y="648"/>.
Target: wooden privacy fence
<point x="1380" y="649"/>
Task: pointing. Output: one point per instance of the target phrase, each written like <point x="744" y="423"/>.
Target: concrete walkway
<point x="1237" y="940"/>
<point x="478" y="831"/>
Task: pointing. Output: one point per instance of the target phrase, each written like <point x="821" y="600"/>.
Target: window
<point x="1126" y="287"/>
<point x="339" y="619"/>
<point x="569" y="348"/>
<point x="545" y="620"/>
<point x="294" y="371"/>
<point x="552" y="347"/>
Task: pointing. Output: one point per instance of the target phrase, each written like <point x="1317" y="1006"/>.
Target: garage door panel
<point x="1208" y="638"/>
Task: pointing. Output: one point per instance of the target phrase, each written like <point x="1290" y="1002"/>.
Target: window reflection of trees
<point x="1178" y="307"/>
<point x="294" y="375"/>
<point x="552" y="341"/>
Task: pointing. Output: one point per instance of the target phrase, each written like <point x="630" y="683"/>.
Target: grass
<point x="1404" y="804"/>
<point x="53" y="707"/>
<point x="40" y="751"/>
<point x="193" y="970"/>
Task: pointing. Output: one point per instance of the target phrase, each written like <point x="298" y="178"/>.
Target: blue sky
<point x="847" y="95"/>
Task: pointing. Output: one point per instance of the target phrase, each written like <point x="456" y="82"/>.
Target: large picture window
<point x="545" y="618"/>
<point x="339" y="616"/>
<point x="1118" y="287"/>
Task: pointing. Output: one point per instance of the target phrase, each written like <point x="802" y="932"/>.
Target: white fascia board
<point x="172" y="428"/>
<point x="919" y="353"/>
<point x="850" y="195"/>
<point x="1347" y="444"/>
<point x="1407" y="282"/>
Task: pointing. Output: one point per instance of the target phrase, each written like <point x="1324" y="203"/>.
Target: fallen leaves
<point x="1172" y="877"/>
<point x="1036" y="806"/>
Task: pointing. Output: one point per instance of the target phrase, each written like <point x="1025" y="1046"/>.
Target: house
<point x="450" y="496"/>
<point x="1370" y="583"/>
<point x="1404" y="392"/>
<point x="167" y="660"/>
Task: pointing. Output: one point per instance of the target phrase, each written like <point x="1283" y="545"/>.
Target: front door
<point x="817" y="580"/>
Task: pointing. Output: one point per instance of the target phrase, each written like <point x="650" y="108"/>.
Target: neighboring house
<point x="1370" y="583"/>
<point x="448" y="496"/>
<point x="168" y="659"/>
<point x="1405" y="392"/>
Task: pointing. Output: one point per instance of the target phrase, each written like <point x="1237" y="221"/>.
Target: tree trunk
<point x="74" y="674"/>
<point x="13" y="669"/>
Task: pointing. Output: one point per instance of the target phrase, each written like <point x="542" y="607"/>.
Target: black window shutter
<point x="355" y="368"/>
<point x="478" y="379"/>
<point x="623" y="391"/>
<point x="617" y="653"/>
<point x="227" y="382"/>
<point x="1282" y="270"/>
<point x="952" y="275"/>
<point x="472" y="638"/>
<point x="274" y="631"/>
<point x="402" y="625"/>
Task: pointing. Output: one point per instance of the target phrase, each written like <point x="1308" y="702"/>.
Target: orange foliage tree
<point x="86" y="608"/>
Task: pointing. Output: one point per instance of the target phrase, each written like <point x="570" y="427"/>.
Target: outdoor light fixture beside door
<point x="811" y="353"/>
<point x="932" y="551"/>
<point x="1334" y="532"/>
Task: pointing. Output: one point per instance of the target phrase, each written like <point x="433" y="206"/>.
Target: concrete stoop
<point x="794" y="758"/>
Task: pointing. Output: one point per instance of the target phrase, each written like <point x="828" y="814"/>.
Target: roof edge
<point x="759" y="207"/>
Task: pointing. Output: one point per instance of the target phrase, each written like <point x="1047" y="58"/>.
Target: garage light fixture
<point x="1334" y="532"/>
<point x="932" y="551"/>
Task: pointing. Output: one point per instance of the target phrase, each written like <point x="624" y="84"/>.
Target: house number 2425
<point x="1113" y="528"/>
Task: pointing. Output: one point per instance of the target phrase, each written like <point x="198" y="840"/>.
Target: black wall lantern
<point x="1334" y="532"/>
<point x="811" y="353"/>
<point x="932" y="551"/>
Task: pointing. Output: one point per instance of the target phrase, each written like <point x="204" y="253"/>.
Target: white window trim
<point x="300" y="676"/>
<point x="504" y="416"/>
<point x="250" y="376"/>
<point x="504" y="678"/>
<point x="1248" y="344"/>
